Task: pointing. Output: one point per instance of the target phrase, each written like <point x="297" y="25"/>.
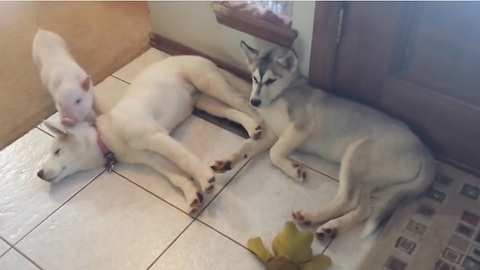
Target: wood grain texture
<point x="254" y="26"/>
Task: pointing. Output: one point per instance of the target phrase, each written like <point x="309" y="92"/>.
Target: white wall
<point x="194" y="24"/>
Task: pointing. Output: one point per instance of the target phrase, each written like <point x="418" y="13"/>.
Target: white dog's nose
<point x="40" y="174"/>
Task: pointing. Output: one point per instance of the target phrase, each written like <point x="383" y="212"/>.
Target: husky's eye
<point x="78" y="101"/>
<point x="255" y="79"/>
<point x="57" y="152"/>
<point x="270" y="81"/>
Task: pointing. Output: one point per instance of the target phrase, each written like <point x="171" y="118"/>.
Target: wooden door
<point x="418" y="61"/>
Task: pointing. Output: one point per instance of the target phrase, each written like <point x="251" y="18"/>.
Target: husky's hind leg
<point x="219" y="109"/>
<point x="350" y="191"/>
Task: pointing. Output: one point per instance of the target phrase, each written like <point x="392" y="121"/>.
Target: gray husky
<point x="379" y="156"/>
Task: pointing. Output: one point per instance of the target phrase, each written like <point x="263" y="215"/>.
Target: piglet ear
<point x="85" y="84"/>
<point x="55" y="129"/>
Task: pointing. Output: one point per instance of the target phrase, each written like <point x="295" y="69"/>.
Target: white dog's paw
<point x="256" y="133"/>
<point x="208" y="184"/>
<point x="302" y="218"/>
<point x="221" y="166"/>
<point x="326" y="232"/>
<point x="195" y="203"/>
<point x="299" y="172"/>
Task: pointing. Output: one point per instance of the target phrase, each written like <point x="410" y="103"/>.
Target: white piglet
<point x="67" y="82"/>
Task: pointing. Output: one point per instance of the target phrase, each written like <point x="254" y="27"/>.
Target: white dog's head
<point x="72" y="151"/>
<point x="74" y="100"/>
<point x="272" y="70"/>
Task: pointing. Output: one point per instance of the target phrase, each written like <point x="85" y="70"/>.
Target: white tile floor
<point x="133" y="218"/>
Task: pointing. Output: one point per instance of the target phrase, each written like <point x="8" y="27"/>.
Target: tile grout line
<point x="45" y="131"/>
<point x="26" y="257"/>
<point x="151" y="193"/>
<point x="196" y="217"/>
<point x="173" y="242"/>
<point x="122" y="80"/>
<point x="58" y="208"/>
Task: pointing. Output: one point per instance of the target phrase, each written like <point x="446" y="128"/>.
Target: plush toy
<point x="292" y="251"/>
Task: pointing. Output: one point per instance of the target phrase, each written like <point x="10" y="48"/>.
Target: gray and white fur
<point x="379" y="155"/>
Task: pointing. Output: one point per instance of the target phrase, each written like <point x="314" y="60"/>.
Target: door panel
<point x="419" y="62"/>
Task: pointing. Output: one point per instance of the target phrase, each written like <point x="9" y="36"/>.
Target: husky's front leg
<point x="166" y="146"/>
<point x="292" y="137"/>
<point x="248" y="149"/>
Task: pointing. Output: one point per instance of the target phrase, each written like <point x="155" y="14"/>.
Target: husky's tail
<point x="396" y="195"/>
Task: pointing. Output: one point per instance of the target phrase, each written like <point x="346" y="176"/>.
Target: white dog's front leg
<point x="219" y="109"/>
<point x="286" y="144"/>
<point x="166" y="146"/>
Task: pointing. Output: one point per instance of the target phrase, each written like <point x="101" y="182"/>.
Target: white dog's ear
<point x="85" y="84"/>
<point x="289" y="61"/>
<point x="250" y="53"/>
<point x="57" y="130"/>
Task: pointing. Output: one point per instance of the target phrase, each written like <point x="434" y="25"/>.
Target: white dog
<point x="67" y="82"/>
<point x="136" y="129"/>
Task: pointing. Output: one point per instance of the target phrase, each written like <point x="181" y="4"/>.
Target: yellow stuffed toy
<point x="292" y="249"/>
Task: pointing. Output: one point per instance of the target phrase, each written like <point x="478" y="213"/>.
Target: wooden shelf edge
<point x="254" y="26"/>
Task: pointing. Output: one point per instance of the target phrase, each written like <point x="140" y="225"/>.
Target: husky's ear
<point x="57" y="130"/>
<point x="85" y="84"/>
<point x="289" y="61"/>
<point x="250" y="53"/>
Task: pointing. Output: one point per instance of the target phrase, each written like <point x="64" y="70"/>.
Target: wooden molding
<point x="254" y="26"/>
<point x="174" y="48"/>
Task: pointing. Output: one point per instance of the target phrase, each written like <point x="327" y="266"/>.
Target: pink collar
<point x="110" y="159"/>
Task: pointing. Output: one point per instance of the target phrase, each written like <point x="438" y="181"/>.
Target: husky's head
<point x="272" y="72"/>
<point x="74" y="100"/>
<point x="72" y="151"/>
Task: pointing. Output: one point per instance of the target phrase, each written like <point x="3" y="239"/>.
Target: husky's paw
<point x="221" y="166"/>
<point x="300" y="172"/>
<point x="326" y="232"/>
<point x="301" y="219"/>
<point x="195" y="203"/>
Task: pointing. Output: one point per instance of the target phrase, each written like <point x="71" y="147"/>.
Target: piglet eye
<point x="78" y="101"/>
<point x="57" y="152"/>
<point x="255" y="79"/>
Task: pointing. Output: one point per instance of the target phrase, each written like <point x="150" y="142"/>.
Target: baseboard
<point x="174" y="48"/>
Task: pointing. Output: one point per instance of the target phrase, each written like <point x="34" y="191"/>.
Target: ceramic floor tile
<point x="107" y="94"/>
<point x="348" y="250"/>
<point x="131" y="70"/>
<point x="201" y="248"/>
<point x="203" y="139"/>
<point x="111" y="224"/>
<point x="260" y="199"/>
<point x="13" y="260"/>
<point x="3" y="247"/>
<point x="27" y="200"/>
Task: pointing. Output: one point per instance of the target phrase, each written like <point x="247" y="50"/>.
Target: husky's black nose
<point x="255" y="102"/>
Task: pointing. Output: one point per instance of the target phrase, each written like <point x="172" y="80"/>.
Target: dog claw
<point x="221" y="166"/>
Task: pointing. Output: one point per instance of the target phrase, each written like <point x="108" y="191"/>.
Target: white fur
<point x="137" y="128"/>
<point x="67" y="82"/>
